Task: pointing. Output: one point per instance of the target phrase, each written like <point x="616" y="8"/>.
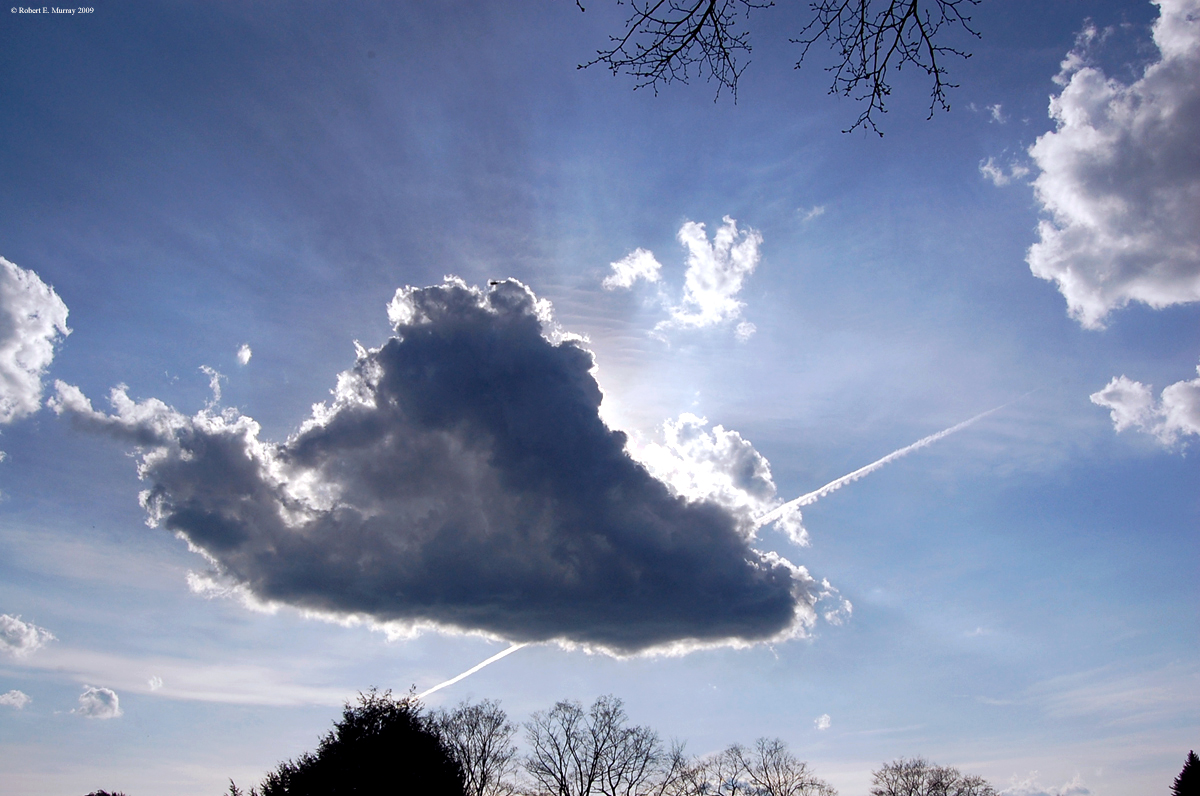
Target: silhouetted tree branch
<point x="480" y="739"/>
<point x="669" y="40"/>
<point x="919" y="777"/>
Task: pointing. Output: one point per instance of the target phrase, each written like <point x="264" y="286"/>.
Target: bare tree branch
<point x="669" y="40"/>
<point x="870" y="42"/>
<point x="675" y="40"/>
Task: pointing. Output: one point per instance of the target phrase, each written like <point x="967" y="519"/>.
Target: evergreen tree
<point x="1188" y="781"/>
<point x="381" y="746"/>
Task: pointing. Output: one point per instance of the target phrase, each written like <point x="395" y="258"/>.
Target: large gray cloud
<point x="1120" y="177"/>
<point x="461" y="477"/>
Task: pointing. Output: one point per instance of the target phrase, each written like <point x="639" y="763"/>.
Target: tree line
<point x="392" y="745"/>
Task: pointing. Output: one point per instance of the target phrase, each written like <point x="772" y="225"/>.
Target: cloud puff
<point x="717" y="465"/>
<point x="244" y="353"/>
<point x="1120" y="178"/>
<point x="715" y="274"/>
<point x="21" y="638"/>
<point x="1132" y="405"/>
<point x="462" y="478"/>
<point x="995" y="172"/>
<point x="1031" y="787"/>
<point x="98" y="703"/>
<point x="32" y="319"/>
<point x="823" y="722"/>
<point x="15" y="699"/>
<point x="638" y="264"/>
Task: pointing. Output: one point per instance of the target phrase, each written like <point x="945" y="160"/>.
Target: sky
<point x="347" y="345"/>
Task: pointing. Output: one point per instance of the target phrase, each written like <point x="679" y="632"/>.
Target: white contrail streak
<point x="471" y="671"/>
<point x="833" y="486"/>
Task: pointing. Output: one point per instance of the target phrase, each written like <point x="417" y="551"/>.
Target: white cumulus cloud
<point x="1132" y="405"/>
<point x="823" y="722"/>
<point x="32" y="319"/>
<point x="1120" y="177"/>
<point x="715" y="274"/>
<point x="155" y="683"/>
<point x="638" y="264"/>
<point x="98" y="703"/>
<point x="21" y="638"/>
<point x="15" y="699"/>
<point x="244" y="353"/>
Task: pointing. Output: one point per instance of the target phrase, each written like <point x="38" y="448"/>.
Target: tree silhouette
<point x="479" y="738"/>
<point x="578" y="753"/>
<point x="380" y="746"/>
<point x="675" y="40"/>
<point x="919" y="777"/>
<point x="1188" y="781"/>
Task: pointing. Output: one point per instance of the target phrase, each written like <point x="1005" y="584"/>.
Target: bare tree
<point x="767" y="769"/>
<point x="578" y="753"/>
<point x="480" y="738"/>
<point x="669" y="40"/>
<point x="919" y="777"/>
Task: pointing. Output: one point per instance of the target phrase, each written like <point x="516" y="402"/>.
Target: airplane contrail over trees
<point x="471" y="671"/>
<point x="812" y="497"/>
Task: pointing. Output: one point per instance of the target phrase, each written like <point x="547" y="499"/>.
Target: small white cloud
<point x="1119" y="177"/>
<point x="98" y="703"/>
<point x="155" y="683"/>
<point x="823" y="722"/>
<point x="715" y="274"/>
<point x="744" y="331"/>
<point x="812" y="212"/>
<point x="1029" y="786"/>
<point x="32" y="320"/>
<point x="638" y="264"/>
<point x="19" y="638"/>
<point x="15" y="699"/>
<point x="997" y="113"/>
<point x="214" y="383"/>
<point x="998" y="176"/>
<point x="1131" y="405"/>
<point x="839" y="609"/>
<point x="243" y="354"/>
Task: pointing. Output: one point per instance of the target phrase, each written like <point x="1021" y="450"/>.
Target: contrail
<point x="471" y="671"/>
<point x="833" y="486"/>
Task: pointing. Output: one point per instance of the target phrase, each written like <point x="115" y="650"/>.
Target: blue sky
<point x="182" y="180"/>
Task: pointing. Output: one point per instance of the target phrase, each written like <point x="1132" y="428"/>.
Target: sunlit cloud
<point x="1119" y="178"/>
<point x="33" y="319"/>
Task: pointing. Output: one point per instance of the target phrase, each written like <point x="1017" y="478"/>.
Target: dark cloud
<point x="462" y="477"/>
